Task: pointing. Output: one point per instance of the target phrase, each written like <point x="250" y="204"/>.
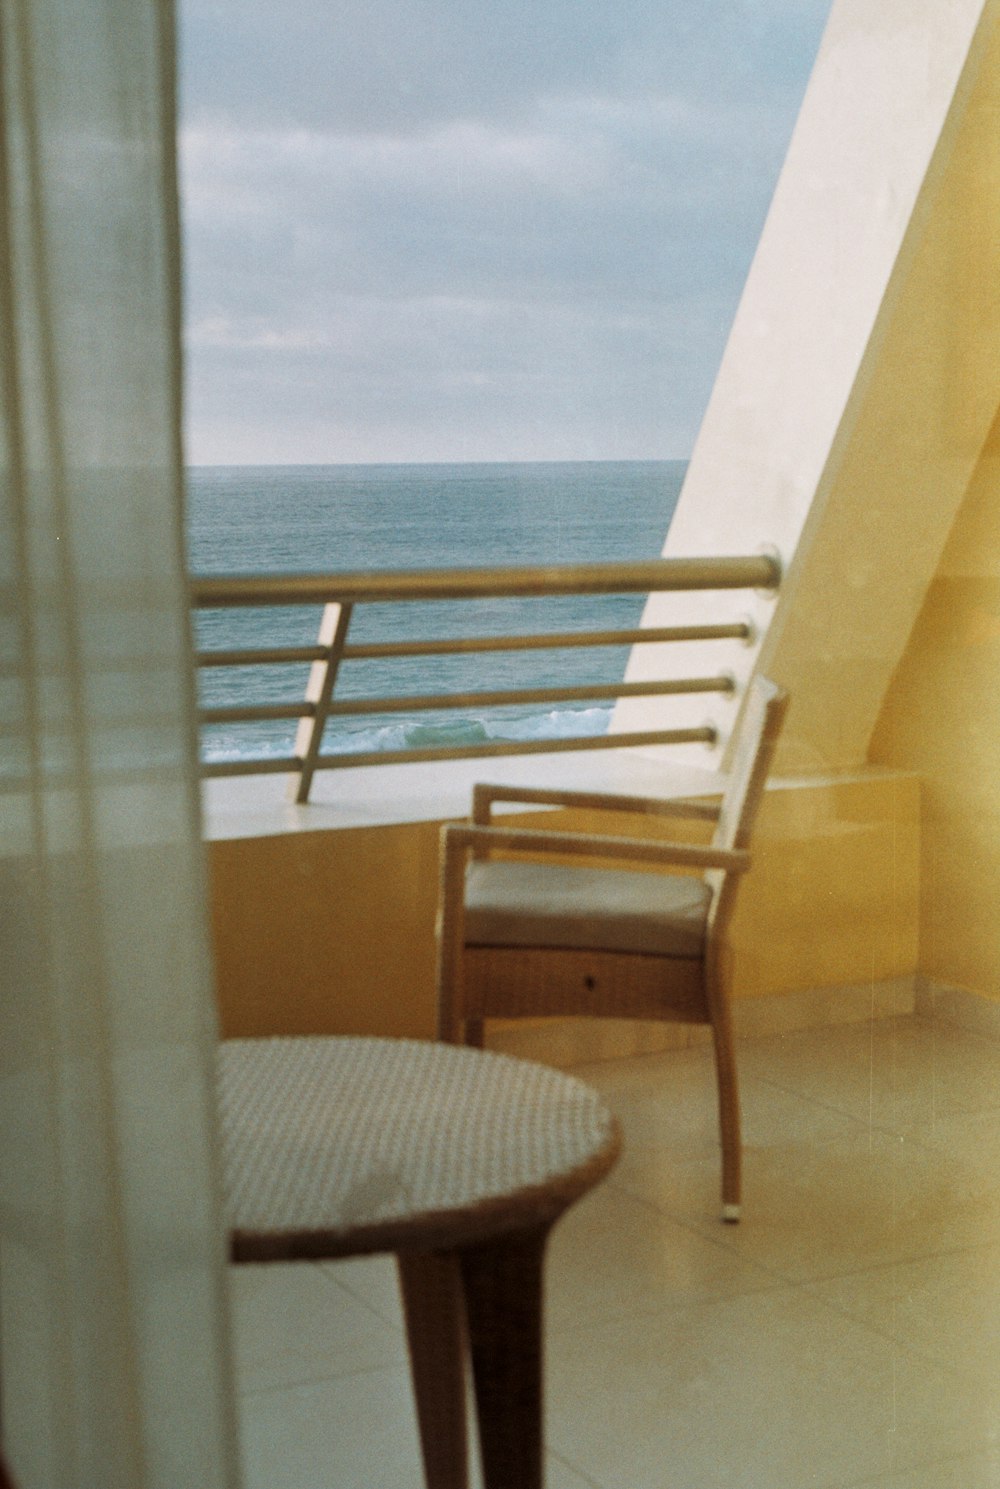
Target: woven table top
<point x="333" y="1146"/>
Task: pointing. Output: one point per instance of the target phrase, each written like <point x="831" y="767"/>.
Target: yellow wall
<point x="326" y="932"/>
<point x="941" y="717"/>
<point x="833" y="894"/>
<point x="333" y="931"/>
<point x="906" y="451"/>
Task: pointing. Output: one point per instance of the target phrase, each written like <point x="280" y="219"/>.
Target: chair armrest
<point x="483" y="797"/>
<point x="462" y="837"/>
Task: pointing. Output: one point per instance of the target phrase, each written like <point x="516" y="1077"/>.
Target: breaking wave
<point x="222" y="744"/>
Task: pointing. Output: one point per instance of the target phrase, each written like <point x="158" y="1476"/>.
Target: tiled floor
<point x="846" y="1333"/>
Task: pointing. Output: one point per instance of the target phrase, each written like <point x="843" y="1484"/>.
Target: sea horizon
<point x="413" y="464"/>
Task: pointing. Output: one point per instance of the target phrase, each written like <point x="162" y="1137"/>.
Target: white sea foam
<point x="423" y="733"/>
<point x="221" y="746"/>
<point x="558" y="723"/>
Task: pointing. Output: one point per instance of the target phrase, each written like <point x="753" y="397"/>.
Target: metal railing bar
<point x="258" y="765"/>
<point x="465" y="645"/>
<point x="429" y="701"/>
<point x="705" y="735"/>
<point x="656" y="575"/>
<point x="250" y="713"/>
<point x="543" y="641"/>
<point x="274" y="765"/>
<point x="254" y="713"/>
<point x="260" y="657"/>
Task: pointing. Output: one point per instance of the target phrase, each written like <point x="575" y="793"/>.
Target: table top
<point x="336" y="1146"/>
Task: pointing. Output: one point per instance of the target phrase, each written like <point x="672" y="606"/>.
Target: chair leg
<point x="432" y="1306"/>
<point x="503" y="1299"/>
<point x="729" y="1116"/>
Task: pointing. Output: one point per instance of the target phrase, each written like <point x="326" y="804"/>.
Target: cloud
<point x="452" y="212"/>
<point x="595" y="197"/>
<point x="217" y="332"/>
<point x="439" y="377"/>
<point x="405" y="64"/>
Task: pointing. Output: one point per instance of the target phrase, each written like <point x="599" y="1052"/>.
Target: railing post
<point x="319" y="693"/>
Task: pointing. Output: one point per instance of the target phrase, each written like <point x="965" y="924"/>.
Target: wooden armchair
<point x="536" y="938"/>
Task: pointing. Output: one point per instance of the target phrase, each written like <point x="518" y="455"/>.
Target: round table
<point x="457" y="1160"/>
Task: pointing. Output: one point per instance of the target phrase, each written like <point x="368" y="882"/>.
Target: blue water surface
<point x="313" y="519"/>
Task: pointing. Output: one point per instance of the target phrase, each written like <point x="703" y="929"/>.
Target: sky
<point x="463" y="230"/>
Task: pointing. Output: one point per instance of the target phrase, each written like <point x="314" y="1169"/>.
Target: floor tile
<point x="975" y="1136"/>
<point x="612" y="1255"/>
<point x="355" y="1432"/>
<point x="373" y="1281"/>
<point x="671" y="1101"/>
<point x="813" y="1211"/>
<point x="902" y="1074"/>
<point x="975" y="1471"/>
<point x="292" y="1324"/>
<point x="768" y="1392"/>
<point x="945" y="1307"/>
<point x="559" y="1475"/>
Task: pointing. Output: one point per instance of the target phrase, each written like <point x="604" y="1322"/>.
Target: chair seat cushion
<point x="545" y="904"/>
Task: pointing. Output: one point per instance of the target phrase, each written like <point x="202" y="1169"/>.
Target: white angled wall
<point x="859" y="380"/>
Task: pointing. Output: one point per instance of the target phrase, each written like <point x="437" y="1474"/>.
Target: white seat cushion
<point x="542" y="904"/>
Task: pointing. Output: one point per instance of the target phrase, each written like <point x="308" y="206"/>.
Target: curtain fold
<point x="114" y="1354"/>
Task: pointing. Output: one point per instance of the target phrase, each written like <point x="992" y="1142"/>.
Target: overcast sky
<point x="472" y="229"/>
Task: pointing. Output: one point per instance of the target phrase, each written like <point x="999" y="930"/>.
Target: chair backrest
<point x="752" y="752"/>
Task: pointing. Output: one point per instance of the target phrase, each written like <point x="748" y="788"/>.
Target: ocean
<point x="335" y="518"/>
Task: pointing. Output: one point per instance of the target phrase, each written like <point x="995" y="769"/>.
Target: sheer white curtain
<point x="114" y="1366"/>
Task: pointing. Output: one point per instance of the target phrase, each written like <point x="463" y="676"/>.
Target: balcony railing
<point x="341" y="594"/>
